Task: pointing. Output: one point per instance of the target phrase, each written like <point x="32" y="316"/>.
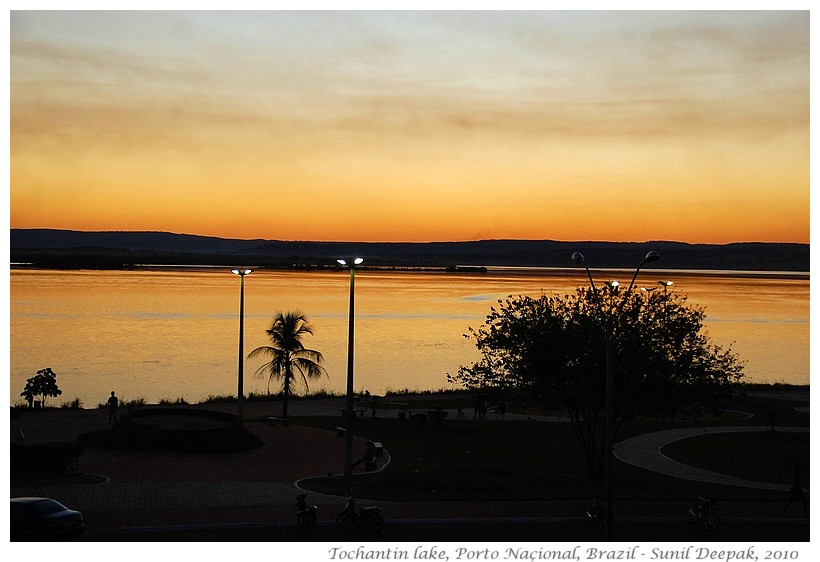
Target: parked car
<point x="35" y="518"/>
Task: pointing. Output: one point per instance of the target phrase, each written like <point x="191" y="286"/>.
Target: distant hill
<point x="104" y="250"/>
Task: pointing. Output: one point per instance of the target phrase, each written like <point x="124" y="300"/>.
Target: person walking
<point x="113" y="404"/>
<point x="797" y="492"/>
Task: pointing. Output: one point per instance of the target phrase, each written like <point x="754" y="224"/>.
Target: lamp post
<point x="349" y="409"/>
<point x="609" y="401"/>
<point x="240" y="373"/>
<point x="666" y="285"/>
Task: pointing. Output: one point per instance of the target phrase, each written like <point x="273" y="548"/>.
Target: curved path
<point x="645" y="451"/>
<point x="257" y="487"/>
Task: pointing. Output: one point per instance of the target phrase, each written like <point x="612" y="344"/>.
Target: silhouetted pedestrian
<point x="369" y="457"/>
<point x="113" y="404"/>
<point x="797" y="492"/>
<point x="480" y="410"/>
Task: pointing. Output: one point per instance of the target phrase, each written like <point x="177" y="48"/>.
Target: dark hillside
<point x="73" y="249"/>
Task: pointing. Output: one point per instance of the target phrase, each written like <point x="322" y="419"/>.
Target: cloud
<point x="476" y="105"/>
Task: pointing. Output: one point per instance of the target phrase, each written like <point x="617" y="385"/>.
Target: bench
<point x="340" y="431"/>
<point x="374" y="451"/>
<point x="390" y="405"/>
<point x="437" y="416"/>
<point x="356" y="411"/>
<point x="378" y="448"/>
<point x="272" y="420"/>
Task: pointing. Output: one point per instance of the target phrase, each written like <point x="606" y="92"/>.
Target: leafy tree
<point x="41" y="385"/>
<point x="555" y="347"/>
<point x="288" y="355"/>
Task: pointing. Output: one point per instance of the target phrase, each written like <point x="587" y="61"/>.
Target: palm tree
<point x="287" y="354"/>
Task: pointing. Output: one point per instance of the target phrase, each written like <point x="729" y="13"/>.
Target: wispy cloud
<point x="489" y="101"/>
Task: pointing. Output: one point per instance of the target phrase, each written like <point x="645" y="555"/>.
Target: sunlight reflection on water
<point x="168" y="334"/>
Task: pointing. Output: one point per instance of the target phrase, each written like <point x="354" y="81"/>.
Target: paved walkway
<point x="645" y="451"/>
<point x="260" y="486"/>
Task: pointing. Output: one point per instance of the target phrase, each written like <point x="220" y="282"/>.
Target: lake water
<point x="168" y="334"/>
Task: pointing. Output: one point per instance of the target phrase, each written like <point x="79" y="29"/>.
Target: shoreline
<point x="781" y="390"/>
<point x="479" y="270"/>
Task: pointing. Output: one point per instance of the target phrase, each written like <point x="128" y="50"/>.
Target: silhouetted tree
<point x="288" y="355"/>
<point x="41" y="385"/>
<point x="554" y="347"/>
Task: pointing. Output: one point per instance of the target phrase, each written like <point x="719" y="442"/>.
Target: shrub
<point x="169" y="402"/>
<point x="74" y="404"/>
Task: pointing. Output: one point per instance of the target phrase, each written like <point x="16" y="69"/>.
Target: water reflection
<point x="169" y="334"/>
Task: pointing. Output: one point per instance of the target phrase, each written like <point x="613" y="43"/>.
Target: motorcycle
<point x="367" y="516"/>
<point x="305" y="514"/>
<point x="705" y="512"/>
<point x="597" y="512"/>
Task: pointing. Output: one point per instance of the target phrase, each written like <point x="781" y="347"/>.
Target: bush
<point x="168" y="402"/>
<point x="74" y="404"/>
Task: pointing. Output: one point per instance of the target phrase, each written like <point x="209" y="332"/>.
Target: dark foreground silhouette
<point x="507" y="531"/>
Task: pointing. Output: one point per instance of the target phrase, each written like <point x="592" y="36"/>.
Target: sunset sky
<point x="413" y="126"/>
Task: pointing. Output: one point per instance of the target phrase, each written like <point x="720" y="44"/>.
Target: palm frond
<point x="287" y="353"/>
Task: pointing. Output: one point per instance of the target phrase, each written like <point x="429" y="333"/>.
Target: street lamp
<point x="349" y="425"/>
<point x="240" y="373"/>
<point x="609" y="429"/>
<point x="666" y="285"/>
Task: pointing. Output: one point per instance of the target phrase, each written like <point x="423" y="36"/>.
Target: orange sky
<point x="413" y="126"/>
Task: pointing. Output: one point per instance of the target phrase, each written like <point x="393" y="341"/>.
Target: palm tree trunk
<point x="285" y="393"/>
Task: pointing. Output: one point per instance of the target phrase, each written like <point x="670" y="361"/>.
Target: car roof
<point x="30" y="499"/>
